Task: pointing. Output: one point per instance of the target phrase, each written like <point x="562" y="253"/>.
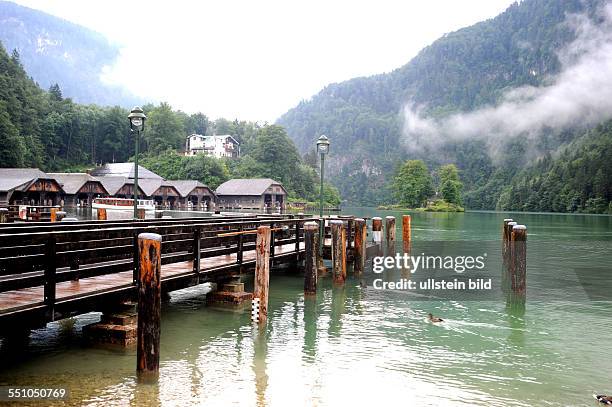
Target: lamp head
<point x="323" y="145"/>
<point x="137" y="119"/>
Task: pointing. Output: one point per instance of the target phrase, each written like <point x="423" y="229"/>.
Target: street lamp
<point x="137" y="119"/>
<point x="322" y="149"/>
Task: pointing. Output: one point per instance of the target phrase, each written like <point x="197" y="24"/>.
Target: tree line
<point x="46" y="130"/>
<point x="414" y="185"/>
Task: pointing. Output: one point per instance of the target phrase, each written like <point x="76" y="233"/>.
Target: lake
<point x="356" y="345"/>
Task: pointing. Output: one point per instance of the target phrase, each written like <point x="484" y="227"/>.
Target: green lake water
<point x="355" y="345"/>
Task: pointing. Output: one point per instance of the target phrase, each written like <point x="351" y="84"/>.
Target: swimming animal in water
<point x="603" y="399"/>
<point x="434" y="319"/>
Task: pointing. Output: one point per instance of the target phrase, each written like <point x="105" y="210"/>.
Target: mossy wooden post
<point x="311" y="232"/>
<point x="377" y="230"/>
<point x="350" y="224"/>
<point x="320" y="265"/>
<point x="149" y="306"/>
<point x="506" y="233"/>
<point x="519" y="259"/>
<point x="53" y="217"/>
<point x="360" y="246"/>
<point x="338" y="250"/>
<point x="390" y="233"/>
<point x="4" y="215"/>
<point x="262" y="271"/>
<point x="102" y="214"/>
<point x="406" y="232"/>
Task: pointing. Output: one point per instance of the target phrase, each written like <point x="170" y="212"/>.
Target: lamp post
<point x="137" y="119"/>
<point x="322" y="149"/>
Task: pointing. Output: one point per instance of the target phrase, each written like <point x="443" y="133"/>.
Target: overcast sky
<point x="254" y="60"/>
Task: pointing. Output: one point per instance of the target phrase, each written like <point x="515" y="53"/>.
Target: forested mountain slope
<point x="470" y="69"/>
<point x="53" y="50"/>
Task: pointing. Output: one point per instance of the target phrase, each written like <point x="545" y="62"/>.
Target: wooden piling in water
<point x="262" y="271"/>
<point x="377" y="230"/>
<point x="506" y="242"/>
<point x="4" y="215"/>
<point x="149" y="306"/>
<point x="406" y="232"/>
<point x="141" y="213"/>
<point x="506" y="232"/>
<point x="338" y="249"/>
<point x="390" y="232"/>
<point x="53" y="217"/>
<point x="518" y="250"/>
<point x="102" y="214"/>
<point x="311" y="233"/>
<point x="320" y="265"/>
<point x="360" y="246"/>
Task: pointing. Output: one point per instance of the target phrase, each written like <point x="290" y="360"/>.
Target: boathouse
<point x="79" y="188"/>
<point x="251" y="193"/>
<point x="195" y="192"/>
<point x="120" y="187"/>
<point x="28" y="186"/>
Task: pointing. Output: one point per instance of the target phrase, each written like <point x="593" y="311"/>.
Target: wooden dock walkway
<point x="53" y="271"/>
<point x="24" y="298"/>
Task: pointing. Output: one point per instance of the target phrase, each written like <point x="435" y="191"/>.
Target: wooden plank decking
<point x="70" y="290"/>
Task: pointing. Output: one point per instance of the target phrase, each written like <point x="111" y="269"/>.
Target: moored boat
<point x="123" y="204"/>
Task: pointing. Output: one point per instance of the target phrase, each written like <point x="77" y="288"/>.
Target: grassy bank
<point x="438" y="205"/>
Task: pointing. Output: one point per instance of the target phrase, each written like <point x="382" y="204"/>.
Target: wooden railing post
<point x="4" y="215"/>
<point x="311" y="231"/>
<point x="240" y="245"/>
<point x="135" y="257"/>
<point x="149" y="306"/>
<point x="360" y="246"/>
<point x="272" y="239"/>
<point x="50" y="275"/>
<point x="262" y="271"/>
<point x="297" y="235"/>
<point x="196" y="248"/>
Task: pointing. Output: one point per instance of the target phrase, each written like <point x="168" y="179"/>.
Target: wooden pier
<point x="50" y="271"/>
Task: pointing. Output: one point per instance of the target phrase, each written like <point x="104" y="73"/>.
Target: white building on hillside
<point x="215" y="146"/>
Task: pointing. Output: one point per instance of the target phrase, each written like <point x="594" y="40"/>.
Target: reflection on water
<point x="354" y="345"/>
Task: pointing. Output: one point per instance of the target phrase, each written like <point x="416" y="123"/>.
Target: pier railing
<point x="34" y="256"/>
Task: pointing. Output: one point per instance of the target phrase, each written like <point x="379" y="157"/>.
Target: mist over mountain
<point x="53" y="50"/>
<point x="493" y="98"/>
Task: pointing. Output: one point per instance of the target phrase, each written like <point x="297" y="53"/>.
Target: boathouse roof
<point x="186" y="187"/>
<point x="114" y="184"/>
<point x="20" y="178"/>
<point x="72" y="183"/>
<point x="248" y="186"/>
<point x="123" y="170"/>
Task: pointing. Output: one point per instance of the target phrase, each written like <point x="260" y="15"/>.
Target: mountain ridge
<point x="55" y="50"/>
<point x="461" y="71"/>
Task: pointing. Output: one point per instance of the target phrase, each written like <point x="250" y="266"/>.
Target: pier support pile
<point x="149" y="305"/>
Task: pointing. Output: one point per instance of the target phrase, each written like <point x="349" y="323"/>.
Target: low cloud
<point x="580" y="95"/>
